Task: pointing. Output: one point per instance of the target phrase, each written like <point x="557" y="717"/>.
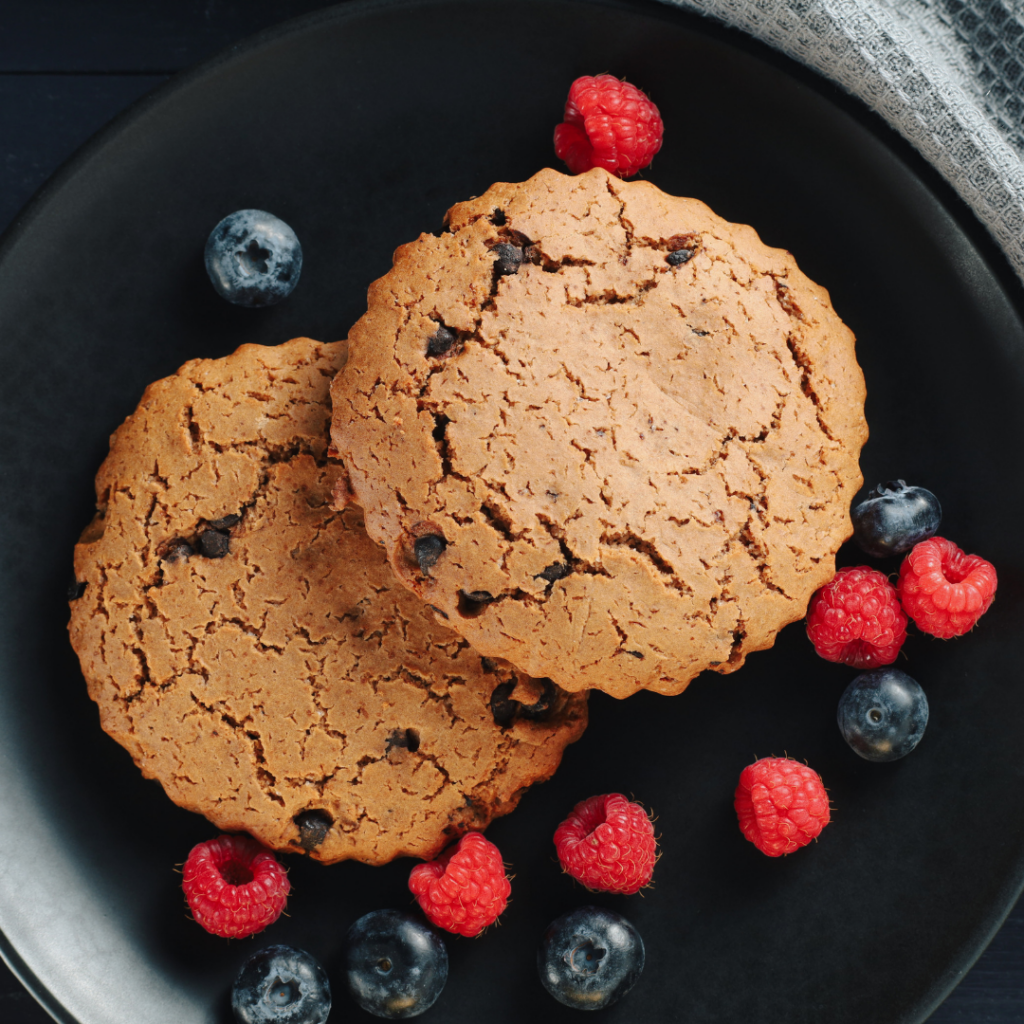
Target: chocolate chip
<point x="498" y="218"/>
<point x="542" y="708"/>
<point x="440" y="427"/>
<point x="674" y="259"/>
<point x="428" y="550"/>
<point x="407" y="739"/>
<point x="555" y="571"/>
<point x="214" y="544"/>
<point x="75" y="590"/>
<point x="313" y="828"/>
<point x="503" y="708"/>
<point x="225" y="523"/>
<point x="441" y="342"/>
<point x="474" y="602"/>
<point x="179" y="551"/>
<point x="510" y="259"/>
<point x="635" y="654"/>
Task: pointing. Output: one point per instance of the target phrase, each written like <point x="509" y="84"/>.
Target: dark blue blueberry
<point x="894" y="518"/>
<point x="395" y="965"/>
<point x="281" y="985"/>
<point x="253" y="258"/>
<point x="883" y="714"/>
<point x="590" y="958"/>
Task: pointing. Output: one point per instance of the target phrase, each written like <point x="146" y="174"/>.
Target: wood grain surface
<point x="66" y="69"/>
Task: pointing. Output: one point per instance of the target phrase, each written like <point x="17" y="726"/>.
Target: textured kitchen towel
<point x="948" y="75"/>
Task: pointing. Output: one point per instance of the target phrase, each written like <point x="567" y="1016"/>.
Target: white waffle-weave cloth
<point x="948" y="75"/>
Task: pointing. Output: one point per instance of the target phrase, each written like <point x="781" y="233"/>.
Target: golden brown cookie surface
<point x="251" y="649"/>
<point x="610" y="435"/>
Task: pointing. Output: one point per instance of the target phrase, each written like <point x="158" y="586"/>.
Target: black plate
<point x="360" y="127"/>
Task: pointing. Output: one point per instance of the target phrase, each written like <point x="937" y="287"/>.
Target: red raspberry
<point x="943" y="590"/>
<point x="234" y="886"/>
<point x="609" y="124"/>
<point x="782" y="805"/>
<point x="465" y="889"/>
<point x="608" y="843"/>
<point x="857" y="620"/>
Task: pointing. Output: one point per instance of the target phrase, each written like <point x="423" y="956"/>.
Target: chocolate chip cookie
<point x="612" y="437"/>
<point x="251" y="649"/>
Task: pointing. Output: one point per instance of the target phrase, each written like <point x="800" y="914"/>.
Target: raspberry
<point x="782" y="805"/>
<point x="608" y="843"/>
<point x="857" y="620"/>
<point x="234" y="886"/>
<point x="465" y="889"/>
<point x="609" y="124"/>
<point x="943" y="590"/>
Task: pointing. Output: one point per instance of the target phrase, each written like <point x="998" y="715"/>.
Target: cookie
<point x="610" y="435"/>
<point x="251" y="649"/>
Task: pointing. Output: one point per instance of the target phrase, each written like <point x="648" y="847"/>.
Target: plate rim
<point x="995" y="257"/>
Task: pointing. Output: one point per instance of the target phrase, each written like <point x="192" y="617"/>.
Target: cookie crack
<point x="623" y="223"/>
<point x="646" y="548"/>
<point x="623" y="640"/>
<point x="499" y="521"/>
<point x="576" y="563"/>
<point x="803" y="365"/>
<point x="739" y="634"/>
<point x="266" y="779"/>
<point x="747" y="539"/>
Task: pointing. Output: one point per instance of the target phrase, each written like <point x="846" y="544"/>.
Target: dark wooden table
<point x="67" y="67"/>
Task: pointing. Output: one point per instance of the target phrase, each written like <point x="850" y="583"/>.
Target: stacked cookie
<point x="251" y="649"/>
<point x="610" y="436"/>
<point x="605" y="440"/>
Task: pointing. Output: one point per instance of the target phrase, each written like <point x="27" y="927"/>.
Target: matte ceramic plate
<point x="360" y="127"/>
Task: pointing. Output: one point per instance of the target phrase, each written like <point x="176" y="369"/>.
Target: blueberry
<point x="590" y="958"/>
<point x="396" y="966"/>
<point x="894" y="518"/>
<point x="281" y="985"/>
<point x="882" y="714"/>
<point x="253" y="258"/>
